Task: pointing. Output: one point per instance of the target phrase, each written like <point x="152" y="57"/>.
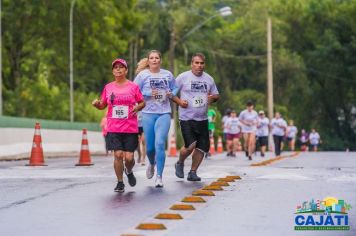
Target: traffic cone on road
<point x="212" y="146"/>
<point x="220" y="148"/>
<point x="36" y="158"/>
<point x="173" y="147"/>
<point x="84" y="159"/>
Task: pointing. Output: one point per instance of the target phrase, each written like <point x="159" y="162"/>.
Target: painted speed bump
<point x="195" y="199"/>
<point x="233" y="177"/>
<point x="226" y="179"/>
<point x="168" y="216"/>
<point x="182" y="207"/>
<point x="203" y="193"/>
<point x="220" y="183"/>
<point x="151" y="226"/>
<point x="213" y="188"/>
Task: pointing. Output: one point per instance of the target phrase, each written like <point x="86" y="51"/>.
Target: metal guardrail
<point x="20" y="122"/>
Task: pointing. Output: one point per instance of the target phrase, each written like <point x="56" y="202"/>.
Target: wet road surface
<point x="61" y="199"/>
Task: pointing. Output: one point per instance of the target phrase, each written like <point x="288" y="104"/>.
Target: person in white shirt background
<point x="223" y="125"/>
<point x="233" y="134"/>
<point x="248" y="120"/>
<point x="292" y="131"/>
<point x="314" y="139"/>
<point x="278" y="130"/>
<point x="262" y="132"/>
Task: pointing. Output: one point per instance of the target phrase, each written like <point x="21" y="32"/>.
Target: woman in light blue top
<point x="158" y="87"/>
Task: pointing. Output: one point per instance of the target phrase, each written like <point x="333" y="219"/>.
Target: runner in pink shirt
<point x="123" y="99"/>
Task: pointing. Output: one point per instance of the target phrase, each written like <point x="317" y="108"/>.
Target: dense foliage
<point x="314" y="48"/>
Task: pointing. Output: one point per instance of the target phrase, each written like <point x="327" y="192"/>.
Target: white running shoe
<point x="150" y="171"/>
<point x="159" y="183"/>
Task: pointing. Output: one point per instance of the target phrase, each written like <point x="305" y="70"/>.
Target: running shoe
<point x="192" y="176"/>
<point x="246" y="153"/>
<point x="179" y="170"/>
<point x="120" y="187"/>
<point x="233" y="155"/>
<point x="131" y="178"/>
<point x="150" y="171"/>
<point x="159" y="183"/>
<point x="249" y="158"/>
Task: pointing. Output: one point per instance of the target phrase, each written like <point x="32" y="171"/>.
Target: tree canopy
<point x="314" y="48"/>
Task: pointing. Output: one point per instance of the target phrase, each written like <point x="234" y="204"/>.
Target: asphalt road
<point x="62" y="199"/>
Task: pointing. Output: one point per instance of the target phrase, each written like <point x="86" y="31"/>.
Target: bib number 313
<point x="199" y="101"/>
<point x="120" y="112"/>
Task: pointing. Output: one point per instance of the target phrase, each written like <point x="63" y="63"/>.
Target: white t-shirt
<point x="233" y="125"/>
<point x="314" y="138"/>
<point x="250" y="117"/>
<point x="278" y="126"/>
<point x="262" y="127"/>
<point x="224" y="119"/>
<point x="292" y="131"/>
<point x="195" y="89"/>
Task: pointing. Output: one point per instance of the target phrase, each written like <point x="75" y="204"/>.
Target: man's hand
<point x="183" y="103"/>
<point x="212" y="99"/>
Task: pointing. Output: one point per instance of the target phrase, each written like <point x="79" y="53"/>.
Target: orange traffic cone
<point x="36" y="158"/>
<point x="220" y="148"/>
<point x="84" y="159"/>
<point x="173" y="147"/>
<point x="212" y="146"/>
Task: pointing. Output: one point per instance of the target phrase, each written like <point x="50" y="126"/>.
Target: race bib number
<point x="210" y="119"/>
<point x="199" y="101"/>
<point x="120" y="112"/>
<point x="160" y="96"/>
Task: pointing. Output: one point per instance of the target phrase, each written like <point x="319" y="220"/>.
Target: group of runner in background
<point x="254" y="129"/>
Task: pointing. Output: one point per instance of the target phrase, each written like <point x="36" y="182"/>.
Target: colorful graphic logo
<point x="328" y="214"/>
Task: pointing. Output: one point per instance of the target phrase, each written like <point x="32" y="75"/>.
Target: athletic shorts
<point x="289" y="139"/>
<point x="126" y="142"/>
<point x="232" y="136"/>
<point x="140" y="130"/>
<point x="195" y="131"/>
<point x="262" y="140"/>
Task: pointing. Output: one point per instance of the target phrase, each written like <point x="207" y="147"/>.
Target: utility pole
<point x="269" y="79"/>
<point x="0" y="59"/>
<point x="269" y="69"/>
<point x="71" y="102"/>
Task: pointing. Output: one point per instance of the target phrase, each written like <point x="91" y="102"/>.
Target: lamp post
<point x="224" y="11"/>
<point x="71" y="105"/>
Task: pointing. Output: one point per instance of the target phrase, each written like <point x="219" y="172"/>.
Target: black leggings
<point x="277" y="144"/>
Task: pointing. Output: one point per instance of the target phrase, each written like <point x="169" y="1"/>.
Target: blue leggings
<point x="155" y="129"/>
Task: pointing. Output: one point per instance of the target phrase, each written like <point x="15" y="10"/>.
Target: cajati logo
<point x="327" y="214"/>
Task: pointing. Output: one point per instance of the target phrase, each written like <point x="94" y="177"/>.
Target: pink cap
<point x="119" y="60"/>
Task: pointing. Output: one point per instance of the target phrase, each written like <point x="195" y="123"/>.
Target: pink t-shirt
<point x="120" y="100"/>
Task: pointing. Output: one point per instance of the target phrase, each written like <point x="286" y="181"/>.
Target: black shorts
<point x="140" y="130"/>
<point x="195" y="131"/>
<point x="289" y="139"/>
<point x="126" y="142"/>
<point x="263" y="141"/>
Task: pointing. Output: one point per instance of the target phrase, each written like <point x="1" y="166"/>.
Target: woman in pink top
<point x="123" y="99"/>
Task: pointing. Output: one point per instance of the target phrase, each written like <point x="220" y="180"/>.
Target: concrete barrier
<point x="16" y="143"/>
